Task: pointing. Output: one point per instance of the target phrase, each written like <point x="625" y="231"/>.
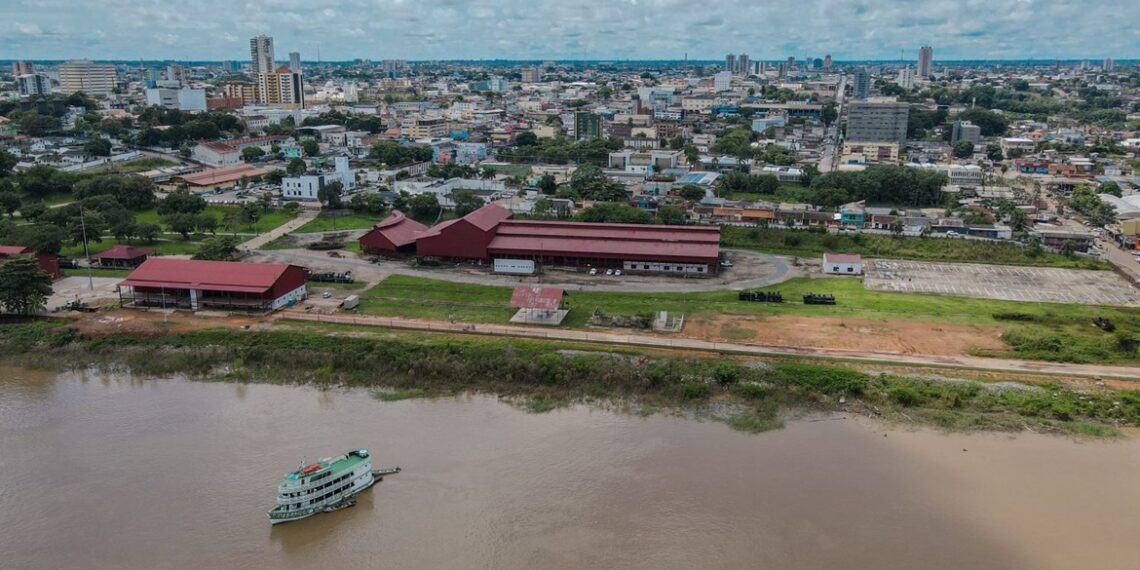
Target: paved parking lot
<point x="1040" y="284"/>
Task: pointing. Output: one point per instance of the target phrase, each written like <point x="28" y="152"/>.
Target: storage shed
<point x="842" y="264"/>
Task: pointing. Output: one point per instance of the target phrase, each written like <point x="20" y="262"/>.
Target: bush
<point x="726" y="374"/>
<point x="824" y="379"/>
<point x="905" y="395"/>
<point x="792" y="240"/>
<point x="695" y="390"/>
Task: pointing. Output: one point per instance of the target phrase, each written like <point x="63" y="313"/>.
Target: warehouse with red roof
<point x="393" y="234"/>
<point x="194" y="285"/>
<point x="488" y="234"/>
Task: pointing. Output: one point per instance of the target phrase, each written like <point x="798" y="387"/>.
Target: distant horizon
<point x="600" y="61"/>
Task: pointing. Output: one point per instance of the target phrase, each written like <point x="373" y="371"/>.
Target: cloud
<point x="595" y="29"/>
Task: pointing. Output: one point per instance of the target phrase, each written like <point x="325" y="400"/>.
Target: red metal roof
<point x="14" y="250"/>
<point x="677" y="234"/>
<point x="230" y="276"/>
<point x="548" y="298"/>
<point x="438" y="228"/>
<point x="399" y="229"/>
<point x="222" y="175"/>
<point x="487" y="217"/>
<point x="842" y="258"/>
<point x="122" y="251"/>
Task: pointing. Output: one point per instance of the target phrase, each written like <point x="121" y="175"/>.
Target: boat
<point x="341" y="505"/>
<point x="328" y="484"/>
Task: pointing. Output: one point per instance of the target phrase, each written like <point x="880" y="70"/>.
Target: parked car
<point x="617" y="273"/>
<point x="593" y="271"/>
<point x="725" y="263"/>
<point x="609" y="272"/>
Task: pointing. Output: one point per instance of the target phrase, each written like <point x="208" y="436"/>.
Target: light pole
<point x="86" y="253"/>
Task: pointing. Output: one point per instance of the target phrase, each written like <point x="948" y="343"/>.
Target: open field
<point x="812" y="244"/>
<point x="161" y="247"/>
<point x="862" y="319"/>
<point x="327" y="223"/>
<point x="268" y="220"/>
<point x="1038" y="284"/>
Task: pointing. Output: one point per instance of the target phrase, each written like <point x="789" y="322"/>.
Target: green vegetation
<point x="228" y="219"/>
<point x="749" y="396"/>
<point x="324" y="222"/>
<point x="24" y="285"/>
<point x="812" y="243"/>
<point x="161" y="247"/>
<point x="141" y="165"/>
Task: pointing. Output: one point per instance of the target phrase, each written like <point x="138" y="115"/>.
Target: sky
<point x="570" y="29"/>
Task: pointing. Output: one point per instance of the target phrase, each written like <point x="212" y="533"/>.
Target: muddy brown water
<point x="114" y="472"/>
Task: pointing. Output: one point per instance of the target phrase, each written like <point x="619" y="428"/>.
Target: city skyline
<point x="588" y="30"/>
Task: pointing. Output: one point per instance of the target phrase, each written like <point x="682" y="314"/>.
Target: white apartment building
<point x="91" y="78"/>
<point x="181" y="99"/>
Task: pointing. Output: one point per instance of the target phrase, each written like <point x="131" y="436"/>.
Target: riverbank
<point x="747" y="393"/>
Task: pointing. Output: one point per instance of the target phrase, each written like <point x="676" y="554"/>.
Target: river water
<point x="114" y="472"/>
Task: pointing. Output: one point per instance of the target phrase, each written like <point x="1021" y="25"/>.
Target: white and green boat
<point x="326" y="485"/>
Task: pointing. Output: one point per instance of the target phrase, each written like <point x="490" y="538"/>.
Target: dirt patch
<point x="902" y="337"/>
<point x="106" y="323"/>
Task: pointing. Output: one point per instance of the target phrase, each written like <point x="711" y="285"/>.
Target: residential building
<point x="245" y="92"/>
<point x="906" y="77"/>
<point x="282" y="87"/>
<point x="743" y="65"/>
<point x="424" y="127"/>
<point x="730" y="63"/>
<point x="925" y="61"/>
<point x="295" y="61"/>
<point x="216" y="153"/>
<point x="531" y="75"/>
<point x="261" y="55"/>
<point x="587" y="125"/>
<point x="877" y="122"/>
<point x="722" y="81"/>
<point x="861" y="86"/>
<point x="91" y="78"/>
<point x="870" y="152"/>
<point x="965" y="131"/>
<point x="181" y="99"/>
<point x="22" y="68"/>
<point x="842" y="264"/>
<point x="33" y="84"/>
<point x="827" y="62"/>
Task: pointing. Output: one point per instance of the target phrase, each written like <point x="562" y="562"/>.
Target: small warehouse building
<point x="223" y="285"/>
<point x="538" y="305"/>
<point x="122" y="256"/>
<point x="395" y="234"/>
<point x="49" y="263"/>
<point x="842" y="264"/>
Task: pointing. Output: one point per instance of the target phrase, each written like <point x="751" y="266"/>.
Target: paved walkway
<point x="303" y="218"/>
<point x="961" y="362"/>
<point x="665" y="284"/>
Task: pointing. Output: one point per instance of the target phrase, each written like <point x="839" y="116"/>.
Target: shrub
<point x="905" y="395"/>
<point x="824" y="379"/>
<point x="695" y="390"/>
<point x="726" y="374"/>
<point x="792" y="240"/>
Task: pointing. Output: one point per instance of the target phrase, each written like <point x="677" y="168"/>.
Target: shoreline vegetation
<point x="751" y="395"/>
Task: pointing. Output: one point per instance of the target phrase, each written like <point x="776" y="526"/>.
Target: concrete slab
<point x="98" y="291"/>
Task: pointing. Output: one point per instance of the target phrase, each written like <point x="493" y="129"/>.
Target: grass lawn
<point x="786" y="193"/>
<point x="161" y="247"/>
<point x="117" y="273"/>
<point x="811" y="244"/>
<point x="268" y="220"/>
<point x="1053" y="331"/>
<point x="522" y="170"/>
<point x="325" y="223"/>
<point x="139" y="165"/>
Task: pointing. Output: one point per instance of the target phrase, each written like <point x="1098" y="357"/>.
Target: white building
<point x="722" y="81"/>
<point x="842" y="264"/>
<point x="906" y="77"/>
<point x="91" y="78"/>
<point x="181" y="99"/>
<point x="304" y="187"/>
<point x="216" y="154"/>
<point x="34" y="84"/>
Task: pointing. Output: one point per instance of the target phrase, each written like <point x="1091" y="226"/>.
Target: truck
<point x="349" y="303"/>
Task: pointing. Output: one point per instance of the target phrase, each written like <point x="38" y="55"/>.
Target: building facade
<point x="587" y="125"/>
<point x="91" y="78"/>
<point x="33" y="84"/>
<point x="261" y="55"/>
<point x="877" y="122"/>
<point x="925" y="61"/>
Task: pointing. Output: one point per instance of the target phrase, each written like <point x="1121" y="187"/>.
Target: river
<point x="124" y="473"/>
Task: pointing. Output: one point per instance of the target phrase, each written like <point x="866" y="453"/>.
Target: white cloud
<point x="594" y="29"/>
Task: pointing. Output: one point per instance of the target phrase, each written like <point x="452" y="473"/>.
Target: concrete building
<point x="743" y="65"/>
<point x="827" y="62"/>
<point x="424" y="128"/>
<point x="730" y="63"/>
<point x="925" y="61"/>
<point x="181" y="99"/>
<point x="531" y="75"/>
<point x="861" y="86"/>
<point x="91" y="78"/>
<point x="864" y="152"/>
<point x="722" y="81"/>
<point x="282" y="87"/>
<point x="905" y="78"/>
<point x="869" y="121"/>
<point x="33" y="84"/>
<point x="22" y="68"/>
<point x="216" y="154"/>
<point x="842" y="264"/>
<point x="965" y="131"/>
<point x="587" y="125"/>
<point x="295" y="61"/>
<point x="261" y="55"/>
<point x="304" y="187"/>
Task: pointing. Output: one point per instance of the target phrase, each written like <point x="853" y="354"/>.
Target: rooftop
<point x="230" y="276"/>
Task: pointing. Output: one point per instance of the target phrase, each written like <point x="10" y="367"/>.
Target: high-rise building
<point x="390" y="65"/>
<point x="33" y="84"/>
<point x="531" y="75"/>
<point x="861" y="86"/>
<point x="965" y="131"/>
<point x="877" y="122"/>
<point x="925" y="61"/>
<point x="791" y="63"/>
<point x="282" y="87"/>
<point x="587" y="125"/>
<point x="906" y="77"/>
<point x="722" y="81"/>
<point x="295" y="61"/>
<point x="175" y="72"/>
<point x="90" y="78"/>
<point x="22" y="68"/>
<point x="730" y="63"/>
<point x="261" y="55"/>
<point x="827" y="62"/>
<point x="742" y="64"/>
<point x="1108" y="64"/>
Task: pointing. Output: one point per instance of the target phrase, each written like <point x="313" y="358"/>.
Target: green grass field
<point x="326" y="223"/>
<point x="1045" y="331"/>
<point x="522" y="170"/>
<point x="811" y="244"/>
<point x="268" y="220"/>
<point x="139" y="165"/>
<point x="161" y="247"/>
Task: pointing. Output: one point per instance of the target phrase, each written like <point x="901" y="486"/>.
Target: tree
<point x="330" y="193"/>
<point x="296" y="167"/>
<point x="310" y="147"/>
<point x="9" y="202"/>
<point x="692" y="155"/>
<point x="252" y="153"/>
<point x="250" y="213"/>
<point x="218" y="248"/>
<point x="1110" y="188"/>
<point x="97" y="147"/>
<point x="992" y="124"/>
<point x="33" y="124"/>
<point x="993" y="152"/>
<point x="466" y="202"/>
<point x="896" y="228"/>
<point x="33" y="210"/>
<point x="24" y="285"/>
<point x="609" y="212"/>
<point x="964" y="149"/>
<point x="206" y="223"/>
<point x="181" y="202"/>
<point x="366" y="203"/>
<point x="547" y="185"/>
<point x="670" y="215"/>
<point x="148" y="232"/>
<point x="275" y="176"/>
<point x="692" y="192"/>
<point x="181" y="223"/>
<point x="7" y="162"/>
<point x="526" y="138"/>
<point x="546" y="208"/>
<point x="829" y="114"/>
<point x="42" y="238"/>
<point x="589" y="183"/>
<point x="1068" y="249"/>
<point x="423" y="205"/>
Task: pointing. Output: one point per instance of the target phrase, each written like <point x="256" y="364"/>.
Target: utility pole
<point x="86" y="253"/>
